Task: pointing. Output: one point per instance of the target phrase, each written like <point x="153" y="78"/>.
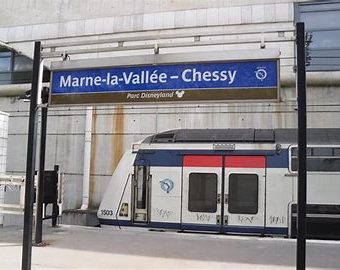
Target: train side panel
<point x="279" y="196"/>
<point x="323" y="188"/>
<point x="323" y="206"/>
<point x="116" y="203"/>
<point x="165" y="203"/>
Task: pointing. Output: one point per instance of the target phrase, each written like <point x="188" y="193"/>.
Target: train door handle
<point x="218" y="200"/>
<point x="218" y="219"/>
<point x="226" y="198"/>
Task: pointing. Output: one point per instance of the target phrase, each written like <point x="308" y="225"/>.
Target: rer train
<point x="240" y="181"/>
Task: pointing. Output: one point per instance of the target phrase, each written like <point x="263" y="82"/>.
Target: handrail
<point x="18" y="182"/>
<point x="121" y="198"/>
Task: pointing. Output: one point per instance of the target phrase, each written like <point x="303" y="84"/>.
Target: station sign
<point x="175" y="83"/>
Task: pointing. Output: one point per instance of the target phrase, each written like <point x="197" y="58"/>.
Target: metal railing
<point x="14" y="183"/>
<point x="156" y="40"/>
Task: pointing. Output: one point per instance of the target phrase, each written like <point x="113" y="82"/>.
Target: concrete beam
<point x="12" y="90"/>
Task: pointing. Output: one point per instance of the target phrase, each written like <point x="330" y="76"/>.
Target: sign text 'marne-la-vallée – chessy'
<point x="147" y="77"/>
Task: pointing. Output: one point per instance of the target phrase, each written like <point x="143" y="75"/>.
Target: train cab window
<point x="203" y="192"/>
<point x="243" y="193"/>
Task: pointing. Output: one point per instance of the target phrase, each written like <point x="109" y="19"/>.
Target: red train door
<point x="202" y="179"/>
<point x="223" y="193"/>
<point x="244" y="194"/>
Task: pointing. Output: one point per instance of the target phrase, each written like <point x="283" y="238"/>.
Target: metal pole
<point x="40" y="192"/>
<point x="302" y="146"/>
<point x="55" y="207"/>
<point x="30" y="162"/>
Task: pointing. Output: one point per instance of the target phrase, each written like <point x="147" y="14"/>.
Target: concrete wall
<point x="116" y="127"/>
<point x="39" y="11"/>
<point x="25" y="21"/>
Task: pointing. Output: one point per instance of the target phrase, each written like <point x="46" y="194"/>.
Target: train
<point x="229" y="181"/>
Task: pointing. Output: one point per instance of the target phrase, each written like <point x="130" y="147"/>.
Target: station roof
<point x="314" y="136"/>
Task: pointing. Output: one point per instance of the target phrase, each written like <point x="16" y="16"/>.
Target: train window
<point x="5" y="64"/>
<point x="322" y="151"/>
<point x="243" y="193"/>
<point x="326" y="159"/>
<point x="319" y="164"/>
<point x="336" y="151"/>
<point x="294" y="151"/>
<point x="22" y="62"/>
<point x="203" y="192"/>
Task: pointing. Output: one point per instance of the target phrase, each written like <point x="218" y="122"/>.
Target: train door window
<point x="203" y="192"/>
<point x="243" y="193"/>
<point x="141" y="176"/>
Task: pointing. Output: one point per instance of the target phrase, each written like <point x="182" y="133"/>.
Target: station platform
<point x="75" y="247"/>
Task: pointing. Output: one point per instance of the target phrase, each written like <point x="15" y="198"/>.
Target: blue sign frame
<point x="157" y="82"/>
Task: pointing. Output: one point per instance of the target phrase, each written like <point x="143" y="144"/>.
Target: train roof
<point x="314" y="136"/>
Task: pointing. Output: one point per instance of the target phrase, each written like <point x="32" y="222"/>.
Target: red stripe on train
<point x="245" y="162"/>
<point x="202" y="161"/>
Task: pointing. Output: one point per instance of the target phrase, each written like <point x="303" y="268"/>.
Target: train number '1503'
<point x="106" y="212"/>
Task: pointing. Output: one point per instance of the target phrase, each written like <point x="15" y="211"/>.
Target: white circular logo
<point x="261" y="74"/>
<point x="167" y="185"/>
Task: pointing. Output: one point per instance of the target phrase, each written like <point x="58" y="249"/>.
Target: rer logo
<point x="261" y="73"/>
<point x="167" y="185"/>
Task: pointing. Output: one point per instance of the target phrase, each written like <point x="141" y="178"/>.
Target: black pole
<point x="55" y="207"/>
<point x="40" y="192"/>
<point x="30" y="162"/>
<point x="302" y="146"/>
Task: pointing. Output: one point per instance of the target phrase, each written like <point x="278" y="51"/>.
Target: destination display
<point x="246" y="80"/>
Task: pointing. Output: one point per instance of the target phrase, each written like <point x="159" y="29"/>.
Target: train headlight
<point x="135" y="147"/>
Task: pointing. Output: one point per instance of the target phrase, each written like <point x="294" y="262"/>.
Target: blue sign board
<point x="180" y="82"/>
